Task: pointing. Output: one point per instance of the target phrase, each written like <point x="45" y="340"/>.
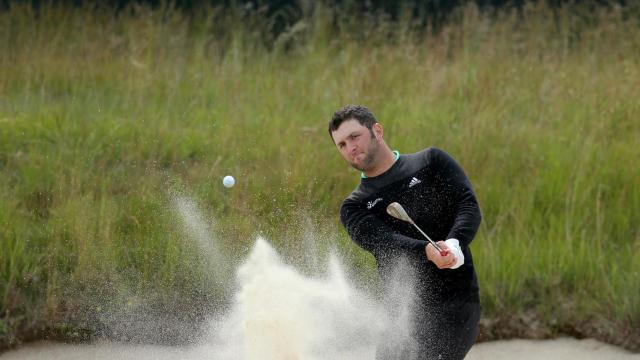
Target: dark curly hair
<point x="348" y="112"/>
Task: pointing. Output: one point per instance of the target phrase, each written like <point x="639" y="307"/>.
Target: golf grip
<point x="442" y="252"/>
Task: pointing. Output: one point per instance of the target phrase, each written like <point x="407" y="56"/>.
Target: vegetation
<point x="105" y="117"/>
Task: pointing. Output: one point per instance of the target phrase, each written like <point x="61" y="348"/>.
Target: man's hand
<point x="442" y="262"/>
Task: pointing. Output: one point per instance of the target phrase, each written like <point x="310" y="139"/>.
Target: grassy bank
<point x="104" y="118"/>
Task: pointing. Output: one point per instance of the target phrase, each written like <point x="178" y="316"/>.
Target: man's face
<point x="357" y="144"/>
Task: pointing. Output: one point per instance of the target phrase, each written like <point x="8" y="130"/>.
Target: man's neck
<point x="386" y="161"/>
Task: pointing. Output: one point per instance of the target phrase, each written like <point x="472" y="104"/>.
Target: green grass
<point x="103" y="116"/>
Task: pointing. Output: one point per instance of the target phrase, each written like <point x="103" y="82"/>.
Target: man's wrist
<point x="454" y="245"/>
<point x="426" y="250"/>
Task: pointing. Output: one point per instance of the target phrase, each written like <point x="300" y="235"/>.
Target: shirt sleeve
<point x="467" y="211"/>
<point x="373" y="235"/>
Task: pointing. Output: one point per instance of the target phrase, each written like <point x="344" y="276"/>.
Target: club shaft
<point x="428" y="238"/>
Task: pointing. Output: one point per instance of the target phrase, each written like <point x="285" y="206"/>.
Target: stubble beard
<point x="371" y="155"/>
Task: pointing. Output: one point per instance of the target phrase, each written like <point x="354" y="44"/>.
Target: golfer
<point x="436" y="194"/>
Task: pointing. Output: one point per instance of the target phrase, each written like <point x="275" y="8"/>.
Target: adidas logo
<point x="414" y="182"/>
<point x="373" y="203"/>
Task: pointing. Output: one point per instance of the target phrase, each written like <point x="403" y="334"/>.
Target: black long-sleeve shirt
<point x="437" y="195"/>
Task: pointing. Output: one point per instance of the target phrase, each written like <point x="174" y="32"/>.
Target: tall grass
<point x="103" y="116"/>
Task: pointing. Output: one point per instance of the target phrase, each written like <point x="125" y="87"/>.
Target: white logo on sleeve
<point x="415" y="181"/>
<point x="373" y="203"/>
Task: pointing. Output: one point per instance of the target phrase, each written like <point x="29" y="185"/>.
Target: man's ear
<point x="377" y="131"/>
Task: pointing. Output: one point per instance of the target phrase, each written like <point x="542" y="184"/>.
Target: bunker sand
<point x="557" y="349"/>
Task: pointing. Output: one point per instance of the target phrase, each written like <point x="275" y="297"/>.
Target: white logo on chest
<point x="415" y="181"/>
<point x="373" y="203"/>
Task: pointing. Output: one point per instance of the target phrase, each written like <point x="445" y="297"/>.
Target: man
<point x="437" y="195"/>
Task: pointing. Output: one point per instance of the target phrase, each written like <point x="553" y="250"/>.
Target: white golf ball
<point x="228" y="181"/>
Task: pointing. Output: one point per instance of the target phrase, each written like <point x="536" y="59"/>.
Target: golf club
<point x="397" y="211"/>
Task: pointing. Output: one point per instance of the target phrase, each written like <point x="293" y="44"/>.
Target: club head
<point x="397" y="211"/>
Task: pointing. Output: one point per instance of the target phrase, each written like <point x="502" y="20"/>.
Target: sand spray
<point x="277" y="312"/>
